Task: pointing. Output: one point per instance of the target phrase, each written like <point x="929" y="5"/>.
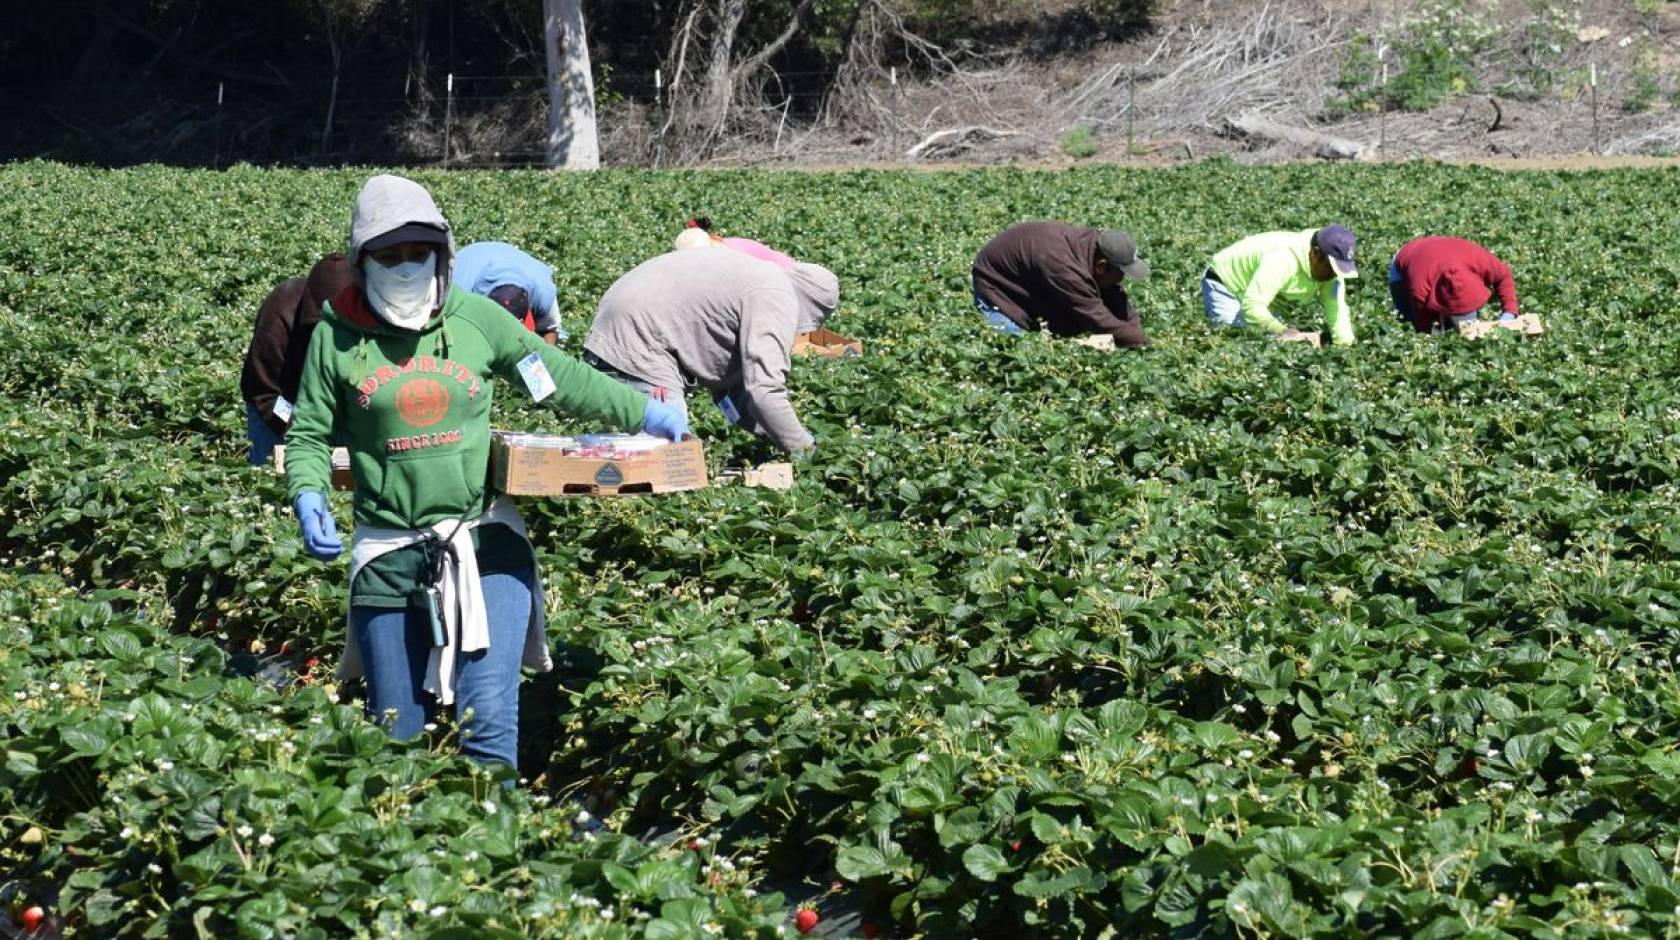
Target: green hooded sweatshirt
<point x="414" y="410"/>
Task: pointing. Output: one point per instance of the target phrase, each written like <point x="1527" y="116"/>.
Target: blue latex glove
<point x="320" y="535"/>
<point x="1507" y="315"/>
<point x="665" y="421"/>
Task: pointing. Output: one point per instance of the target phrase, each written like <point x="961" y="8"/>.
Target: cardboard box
<point x="1104" y="341"/>
<point x="341" y="479"/>
<point x="1528" y="324"/>
<point x="618" y="465"/>
<point x="1315" y="338"/>
<point x="771" y="476"/>
<point x="826" y="343"/>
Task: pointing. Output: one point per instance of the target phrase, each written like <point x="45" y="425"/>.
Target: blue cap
<point x="1336" y="243"/>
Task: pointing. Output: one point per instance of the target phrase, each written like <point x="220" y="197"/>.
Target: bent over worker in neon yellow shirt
<point x="1241" y="283"/>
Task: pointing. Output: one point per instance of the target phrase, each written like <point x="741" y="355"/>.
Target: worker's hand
<point x="1507" y="315"/>
<point x="320" y="535"/>
<point x="664" y="421"/>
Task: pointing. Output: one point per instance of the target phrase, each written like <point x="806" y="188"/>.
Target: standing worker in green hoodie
<point x="1242" y="281"/>
<point x="445" y="602"/>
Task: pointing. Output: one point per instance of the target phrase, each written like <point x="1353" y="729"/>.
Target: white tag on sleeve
<point x="537" y="380"/>
<point x="731" y="413"/>
<point x="282" y="408"/>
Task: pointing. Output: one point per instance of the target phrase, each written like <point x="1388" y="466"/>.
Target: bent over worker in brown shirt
<point x="1062" y="278"/>
<point x="273" y="365"/>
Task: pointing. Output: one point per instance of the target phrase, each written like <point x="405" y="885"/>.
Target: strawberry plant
<point x="1221" y="638"/>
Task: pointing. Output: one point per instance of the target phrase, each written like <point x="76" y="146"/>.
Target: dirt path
<point x="1583" y="161"/>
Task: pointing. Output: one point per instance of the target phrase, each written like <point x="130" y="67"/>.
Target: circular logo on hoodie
<point x="423" y="402"/>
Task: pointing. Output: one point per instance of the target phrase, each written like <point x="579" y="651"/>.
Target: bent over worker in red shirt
<point x="1441" y="283"/>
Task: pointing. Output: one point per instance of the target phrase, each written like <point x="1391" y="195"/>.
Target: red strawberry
<point x="33" y="915"/>
<point x="806" y="920"/>
<point x="1015" y="846"/>
<point x="871" y="930"/>
<point x="694" y="845"/>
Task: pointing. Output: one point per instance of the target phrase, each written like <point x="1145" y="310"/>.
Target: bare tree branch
<point x="762" y="56"/>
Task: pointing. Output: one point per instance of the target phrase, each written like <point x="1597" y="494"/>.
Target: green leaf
<point x="984" y="862"/>
<point x="861" y="862"/>
<point x="22" y="764"/>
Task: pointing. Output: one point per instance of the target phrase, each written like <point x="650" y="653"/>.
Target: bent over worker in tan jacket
<point x="720" y="320"/>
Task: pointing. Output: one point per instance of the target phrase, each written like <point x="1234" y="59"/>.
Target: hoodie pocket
<point x="428" y="487"/>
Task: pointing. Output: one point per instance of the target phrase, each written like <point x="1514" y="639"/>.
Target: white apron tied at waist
<point x="466" y="625"/>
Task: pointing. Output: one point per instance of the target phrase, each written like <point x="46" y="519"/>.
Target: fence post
<point x="448" y="113"/>
<point x="1382" y="113"/>
<point x="659" y="116"/>
<point x="1592" y="80"/>
<point x="1131" y="106"/>
<point x="220" y="86"/>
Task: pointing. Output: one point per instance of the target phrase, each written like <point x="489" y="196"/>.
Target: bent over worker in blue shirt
<point x="523" y="285"/>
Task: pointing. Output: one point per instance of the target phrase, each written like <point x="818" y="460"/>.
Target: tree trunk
<point x="572" y="139"/>
<point x="332" y="96"/>
<point x="1328" y="146"/>
<point x="720" y="71"/>
<point x="414" y="88"/>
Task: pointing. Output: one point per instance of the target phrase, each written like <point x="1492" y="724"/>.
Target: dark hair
<point x="701" y="222"/>
<point x="513" y="299"/>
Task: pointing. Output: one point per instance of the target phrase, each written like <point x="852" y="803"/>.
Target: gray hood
<point x="818" y="291"/>
<point x="387" y="203"/>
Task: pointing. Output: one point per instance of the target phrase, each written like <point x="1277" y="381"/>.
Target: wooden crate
<point x="341" y="478"/>
<point x="1528" y="324"/>
<point x="533" y="465"/>
<point x="777" y="475"/>
<point x="827" y="344"/>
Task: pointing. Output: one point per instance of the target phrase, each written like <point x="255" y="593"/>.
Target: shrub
<point x="1080" y="143"/>
<point x="1433" y="54"/>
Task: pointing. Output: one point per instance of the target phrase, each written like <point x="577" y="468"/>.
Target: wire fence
<point x="222" y="123"/>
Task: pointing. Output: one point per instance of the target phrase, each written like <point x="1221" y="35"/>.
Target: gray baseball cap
<point x="1121" y="251"/>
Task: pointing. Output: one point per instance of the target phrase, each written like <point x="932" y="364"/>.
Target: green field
<point x="1223" y="638"/>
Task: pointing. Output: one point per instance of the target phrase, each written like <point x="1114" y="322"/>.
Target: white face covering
<point x="404" y="295"/>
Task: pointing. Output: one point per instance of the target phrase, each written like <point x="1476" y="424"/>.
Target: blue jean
<point x="995" y="317"/>
<point x="1221" y="306"/>
<point x="1397" y="292"/>
<point x="659" y="393"/>
<point x="1403" y="303"/>
<point x="262" y="437"/>
<point x="395" y="644"/>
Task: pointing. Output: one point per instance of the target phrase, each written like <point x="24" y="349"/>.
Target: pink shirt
<point x="760" y="251"/>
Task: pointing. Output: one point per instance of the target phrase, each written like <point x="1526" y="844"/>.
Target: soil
<point x="1572" y="129"/>
<point x="1550" y="162"/>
